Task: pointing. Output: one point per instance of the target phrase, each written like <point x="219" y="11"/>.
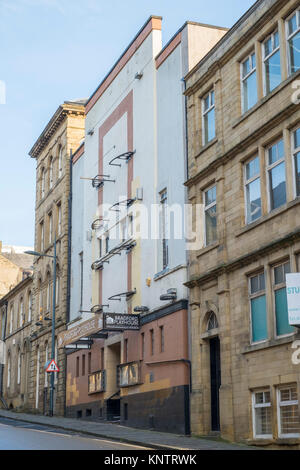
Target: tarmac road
<point x="17" y="435"/>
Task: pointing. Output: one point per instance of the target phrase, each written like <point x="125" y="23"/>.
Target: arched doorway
<point x="215" y="370"/>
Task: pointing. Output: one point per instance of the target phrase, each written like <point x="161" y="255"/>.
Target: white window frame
<point x="205" y="209"/>
<point x="207" y="111"/>
<point x="260" y="405"/>
<point x="246" y="183"/>
<point x="270" y="168"/>
<point x="8" y="369"/>
<point x="244" y="78"/>
<point x="59" y="219"/>
<point x="286" y="403"/>
<point x="43" y="181"/>
<point x="295" y="150"/>
<point x="21" y="312"/>
<point x="276" y="287"/>
<point x="29" y="306"/>
<point x="265" y="58"/>
<point x="19" y="367"/>
<point x="50" y="216"/>
<point x="290" y="36"/>
<point x="252" y="296"/>
<point x="11" y="318"/>
<point x="42" y="234"/>
<point x="51" y="173"/>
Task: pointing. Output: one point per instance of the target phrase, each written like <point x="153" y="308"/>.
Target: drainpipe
<point x="69" y="270"/>
<point x="69" y="238"/>
<point x="186" y="149"/>
<point x="2" y="365"/>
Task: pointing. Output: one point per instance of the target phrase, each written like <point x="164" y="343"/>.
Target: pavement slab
<point x="117" y="432"/>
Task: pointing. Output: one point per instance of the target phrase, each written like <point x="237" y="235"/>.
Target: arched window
<point x="29" y="306"/>
<point x="212" y="322"/>
<point x="37" y="384"/>
<point x="57" y="287"/>
<point x="48" y="299"/>
<point x="19" y="367"/>
<point x="11" y="318"/>
<point x="21" y="314"/>
<point x="46" y="360"/>
<point x="8" y="369"/>
<point x="51" y="173"/>
<point x="60" y="161"/>
<point x="43" y="182"/>
<point x="40" y="298"/>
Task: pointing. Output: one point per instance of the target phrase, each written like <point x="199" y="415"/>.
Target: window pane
<point x="279" y="275"/>
<point x="289" y="418"/>
<point x="246" y="67"/>
<point x="263" y="421"/>
<point x="209" y="126"/>
<point x="281" y="313"/>
<point x="276" y="40"/>
<point x="254" y="284"/>
<point x="272" y="72"/>
<point x="262" y="281"/>
<point x="276" y="152"/>
<point x="268" y="46"/>
<point x="297" y="173"/>
<point x="259" y="319"/>
<point x="294" y="51"/>
<point x="212" y="98"/>
<point x="210" y="196"/>
<point x="286" y="268"/>
<point x="206" y="103"/>
<point x="249" y="92"/>
<point x="253" y="58"/>
<point x="253" y="200"/>
<point x="297" y="138"/>
<point x="211" y="225"/>
<point x="252" y="168"/>
<point x="277" y="186"/>
<point x="292" y="24"/>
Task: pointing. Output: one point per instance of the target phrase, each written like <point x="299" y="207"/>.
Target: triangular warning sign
<point x="52" y="367"/>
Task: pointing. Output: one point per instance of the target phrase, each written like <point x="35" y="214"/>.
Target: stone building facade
<point x="52" y="151"/>
<point x="135" y="131"/>
<point x="16" y="314"/>
<point x="243" y="182"/>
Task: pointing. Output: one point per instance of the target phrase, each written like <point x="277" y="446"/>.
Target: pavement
<point x="116" y="432"/>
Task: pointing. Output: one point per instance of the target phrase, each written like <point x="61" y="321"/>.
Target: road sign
<point x="52" y="367"/>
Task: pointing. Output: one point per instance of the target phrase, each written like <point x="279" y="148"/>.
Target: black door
<point x="215" y="382"/>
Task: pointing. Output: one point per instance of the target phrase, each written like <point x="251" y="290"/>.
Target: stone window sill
<point x="268" y="216"/>
<point x="206" y="249"/>
<point x="265" y="99"/>
<point x="271" y="343"/>
<point x="206" y="147"/>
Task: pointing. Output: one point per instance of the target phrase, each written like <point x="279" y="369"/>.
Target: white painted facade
<point x="158" y="122"/>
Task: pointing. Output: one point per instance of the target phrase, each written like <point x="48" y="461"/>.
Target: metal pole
<point x="53" y="331"/>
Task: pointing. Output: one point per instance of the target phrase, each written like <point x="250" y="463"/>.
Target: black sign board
<point x="120" y="321"/>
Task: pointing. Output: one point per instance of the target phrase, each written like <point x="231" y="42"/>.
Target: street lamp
<point x="35" y="253"/>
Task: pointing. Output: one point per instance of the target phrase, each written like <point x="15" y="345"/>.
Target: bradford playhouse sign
<point x="104" y="322"/>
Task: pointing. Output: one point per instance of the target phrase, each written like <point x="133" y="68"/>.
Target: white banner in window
<point x="293" y="297"/>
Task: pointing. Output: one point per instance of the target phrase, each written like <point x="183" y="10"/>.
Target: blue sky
<point x="56" y="50"/>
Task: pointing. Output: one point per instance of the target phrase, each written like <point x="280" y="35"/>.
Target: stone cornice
<point x="216" y="58"/>
<point x="58" y="117"/>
